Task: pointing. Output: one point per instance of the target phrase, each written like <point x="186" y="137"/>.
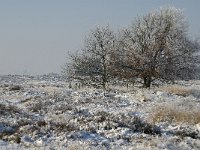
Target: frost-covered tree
<point x="156" y="46"/>
<point x="93" y="62"/>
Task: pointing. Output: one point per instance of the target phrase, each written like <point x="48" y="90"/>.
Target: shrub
<point x="15" y="88"/>
<point x="8" y="109"/>
<point x="136" y="124"/>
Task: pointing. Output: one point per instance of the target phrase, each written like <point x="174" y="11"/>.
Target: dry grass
<point x="177" y="90"/>
<point x="173" y="113"/>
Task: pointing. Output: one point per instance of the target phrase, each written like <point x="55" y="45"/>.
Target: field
<point x="46" y="112"/>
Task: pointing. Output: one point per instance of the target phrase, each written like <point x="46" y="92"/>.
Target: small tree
<point x="156" y="46"/>
<point x="94" y="61"/>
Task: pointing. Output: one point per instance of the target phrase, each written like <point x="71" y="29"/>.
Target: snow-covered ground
<point x="41" y="112"/>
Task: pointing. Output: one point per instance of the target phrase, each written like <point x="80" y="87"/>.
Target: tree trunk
<point x="104" y="76"/>
<point x="147" y="82"/>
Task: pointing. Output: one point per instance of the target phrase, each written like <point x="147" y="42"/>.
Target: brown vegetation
<point x="177" y="90"/>
<point x="174" y="113"/>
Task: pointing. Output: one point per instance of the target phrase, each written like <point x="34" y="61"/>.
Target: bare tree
<point x="94" y="61"/>
<point x="155" y="46"/>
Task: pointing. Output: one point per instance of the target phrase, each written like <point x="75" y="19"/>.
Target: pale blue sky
<point x="35" y="35"/>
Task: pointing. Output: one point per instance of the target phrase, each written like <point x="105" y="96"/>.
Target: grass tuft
<point x="177" y="90"/>
<point x="173" y="113"/>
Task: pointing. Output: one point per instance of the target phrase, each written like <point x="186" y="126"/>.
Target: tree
<point x="156" y="46"/>
<point x="93" y="62"/>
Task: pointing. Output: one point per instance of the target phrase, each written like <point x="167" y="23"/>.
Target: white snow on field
<point x="41" y="112"/>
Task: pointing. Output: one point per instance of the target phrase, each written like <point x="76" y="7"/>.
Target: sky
<point x="36" y="35"/>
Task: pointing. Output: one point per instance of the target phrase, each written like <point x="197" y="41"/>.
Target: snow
<point x="42" y="112"/>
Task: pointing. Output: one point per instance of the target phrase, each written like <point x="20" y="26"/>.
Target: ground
<point x="44" y="112"/>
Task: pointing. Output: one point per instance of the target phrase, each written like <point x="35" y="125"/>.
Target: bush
<point x="136" y="124"/>
<point x="15" y="88"/>
<point x="8" y="109"/>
